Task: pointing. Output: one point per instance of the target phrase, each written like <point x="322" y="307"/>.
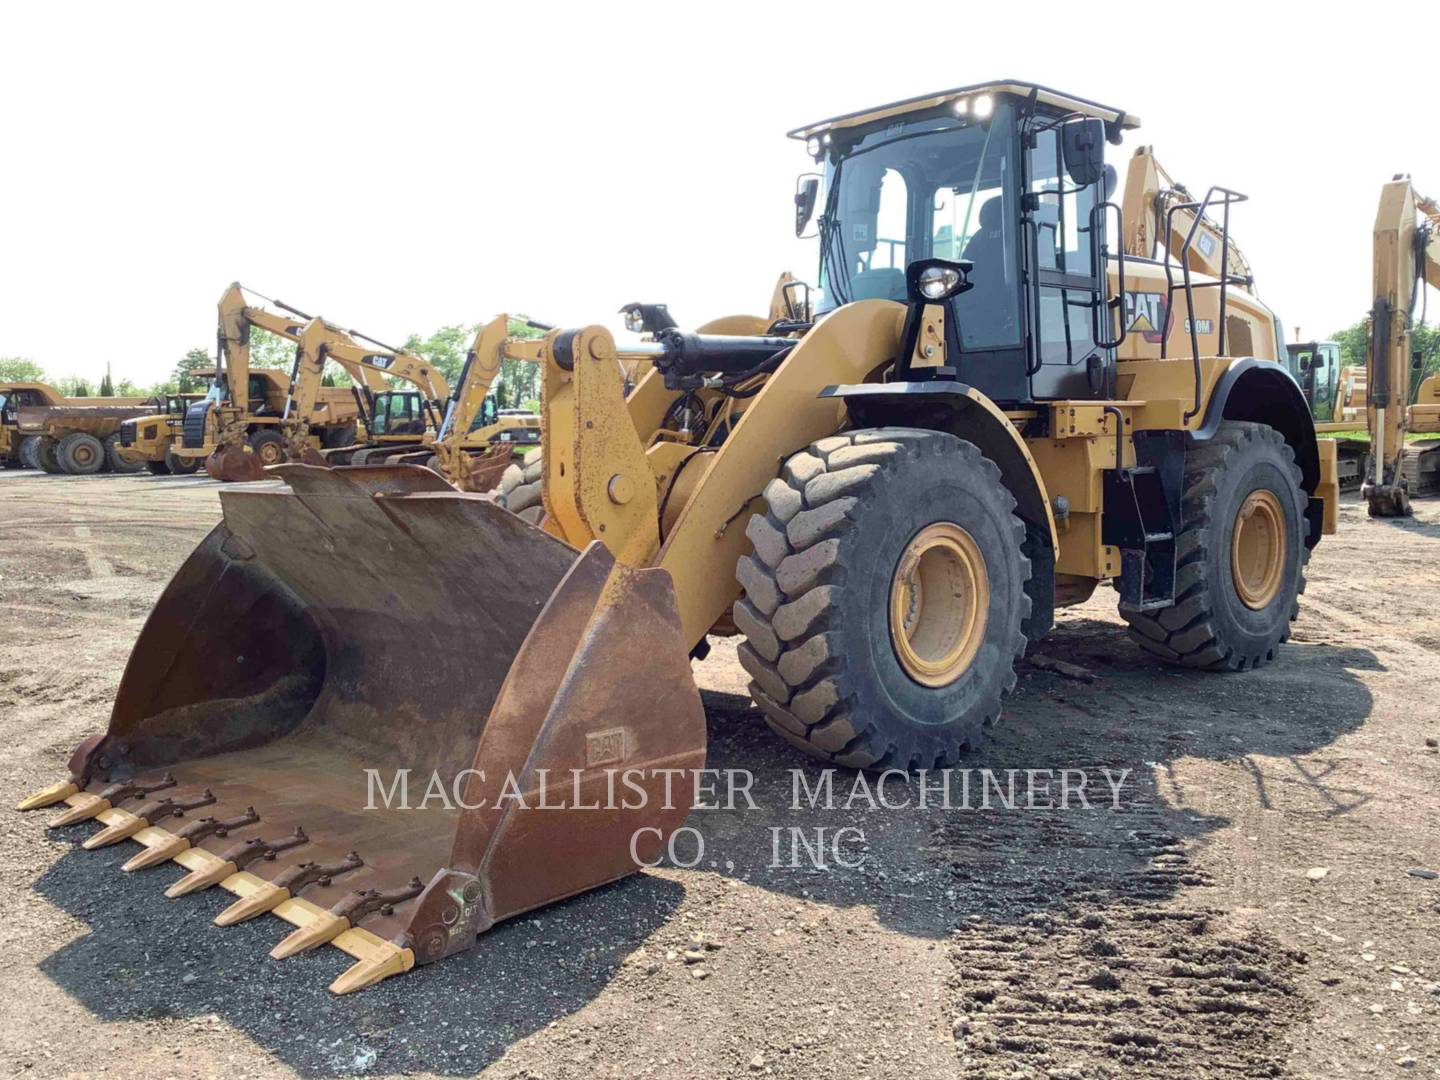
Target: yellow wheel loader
<point x="987" y="415"/>
<point x="149" y="442"/>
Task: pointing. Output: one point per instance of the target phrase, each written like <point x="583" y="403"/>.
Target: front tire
<point x="884" y="601"/>
<point x="27" y="452"/>
<point x="269" y="446"/>
<point x="180" y="466"/>
<point x="1240" y="555"/>
<point x="119" y="464"/>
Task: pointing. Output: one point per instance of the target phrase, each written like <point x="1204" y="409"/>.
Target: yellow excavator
<point x="1407" y="258"/>
<point x="236" y="428"/>
<point x="436" y="715"/>
<point x="475" y="443"/>
<point x="395" y="420"/>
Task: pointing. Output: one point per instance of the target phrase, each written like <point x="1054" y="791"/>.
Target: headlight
<point x="812" y="146"/>
<point x="984" y="106"/>
<point x="938" y="282"/>
<point x="961" y="106"/>
<point x="635" y="320"/>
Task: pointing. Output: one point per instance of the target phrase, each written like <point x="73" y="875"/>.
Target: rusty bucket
<point x="392" y="714"/>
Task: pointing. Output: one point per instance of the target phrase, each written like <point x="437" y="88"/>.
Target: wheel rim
<point x="939" y="604"/>
<point x="269" y="453"/>
<point x="1257" y="549"/>
<point x="84" y="454"/>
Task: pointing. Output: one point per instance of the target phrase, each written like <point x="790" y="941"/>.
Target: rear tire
<point x="178" y="466"/>
<point x="269" y="446"/>
<point x="157" y="468"/>
<point x="884" y="600"/>
<point x="117" y="463"/>
<point x="47" y="454"/>
<point x="80" y="454"/>
<point x="1235" y="598"/>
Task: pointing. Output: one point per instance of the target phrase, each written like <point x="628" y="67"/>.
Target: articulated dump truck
<point x="886" y="494"/>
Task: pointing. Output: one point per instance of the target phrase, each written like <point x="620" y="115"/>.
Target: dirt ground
<point x="1245" y="907"/>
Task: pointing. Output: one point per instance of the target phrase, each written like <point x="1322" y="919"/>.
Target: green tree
<point x="1424" y="342"/>
<point x="20" y="369"/>
<point x="445" y="348"/>
<point x="1352" y="343"/>
<point x="107" y="387"/>
<point x="75" y="386"/>
<point x="269" y="350"/>
<point x="184" y="377"/>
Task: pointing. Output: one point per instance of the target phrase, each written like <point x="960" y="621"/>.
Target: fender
<point x="960" y="409"/>
<point x="1265" y="392"/>
<point x="945" y="405"/>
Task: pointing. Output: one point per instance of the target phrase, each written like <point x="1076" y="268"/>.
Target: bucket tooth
<point x="379" y="960"/>
<point x="324" y="929"/>
<point x="164" y="851"/>
<point x="83" y="808"/>
<point x="123" y="829"/>
<point x="267" y="898"/>
<point x="208" y="875"/>
<point x="287" y="883"/>
<point x="190" y="835"/>
<point x="345" y="914"/>
<point x="132" y="821"/>
<point x="48" y="796"/>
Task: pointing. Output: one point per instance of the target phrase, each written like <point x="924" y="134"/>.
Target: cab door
<point x="1066" y="281"/>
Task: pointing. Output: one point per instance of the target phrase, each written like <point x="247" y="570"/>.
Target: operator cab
<point x="1316" y="367"/>
<point x="397" y="412"/>
<point x="1004" y="184"/>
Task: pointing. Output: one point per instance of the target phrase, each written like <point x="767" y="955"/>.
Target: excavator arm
<point x="1159" y="211"/>
<point x="1406" y="259"/>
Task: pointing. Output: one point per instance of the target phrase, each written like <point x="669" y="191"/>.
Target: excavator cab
<point x="397" y="412"/>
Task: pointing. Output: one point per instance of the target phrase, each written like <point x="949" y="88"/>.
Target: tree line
<point x="518" y="386"/>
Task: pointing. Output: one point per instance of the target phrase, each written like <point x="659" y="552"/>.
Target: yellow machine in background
<point x="395" y="420"/>
<point x="985" y="414"/>
<point x="237" y="436"/>
<point x="150" y="441"/>
<point x="1407" y="258"/>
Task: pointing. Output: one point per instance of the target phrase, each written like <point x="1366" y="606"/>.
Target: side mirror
<point x="1083" y="142"/>
<point x="807" y="189"/>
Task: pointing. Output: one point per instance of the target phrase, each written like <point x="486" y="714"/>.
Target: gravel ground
<point x="1246" y="906"/>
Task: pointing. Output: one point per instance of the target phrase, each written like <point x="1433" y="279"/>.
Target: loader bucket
<point x="234" y="464"/>
<point x="392" y="714"/>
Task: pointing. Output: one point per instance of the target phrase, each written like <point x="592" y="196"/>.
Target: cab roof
<point x="1043" y="94"/>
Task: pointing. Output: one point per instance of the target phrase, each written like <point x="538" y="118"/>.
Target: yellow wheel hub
<point x="1257" y="549"/>
<point x="270" y="453"/>
<point x="939" y="604"/>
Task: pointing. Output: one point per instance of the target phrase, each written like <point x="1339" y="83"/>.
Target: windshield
<point x="939" y="187"/>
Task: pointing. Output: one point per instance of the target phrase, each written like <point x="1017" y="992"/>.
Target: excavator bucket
<point x="391" y="714"/>
<point x="234" y="464"/>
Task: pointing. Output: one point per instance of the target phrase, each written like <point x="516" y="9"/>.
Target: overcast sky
<point x="397" y="167"/>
